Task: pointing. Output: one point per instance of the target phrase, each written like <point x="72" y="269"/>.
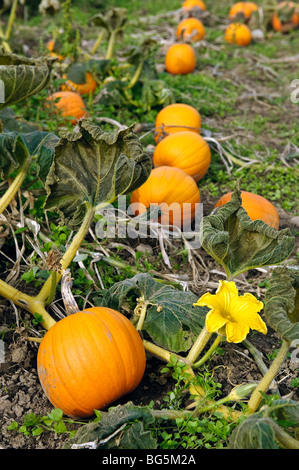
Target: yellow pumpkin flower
<point x="232" y="315"/>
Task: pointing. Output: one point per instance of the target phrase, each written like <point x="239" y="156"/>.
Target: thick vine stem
<point x="31" y="304"/>
<point x="70" y="253"/>
<point x="199" y="345"/>
<point x="15" y="186"/>
<point x="266" y="381"/>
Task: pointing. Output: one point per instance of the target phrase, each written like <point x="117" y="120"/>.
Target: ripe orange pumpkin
<point x="238" y="33"/>
<point x="90" y="359"/>
<point x="286" y="17"/>
<point x="69" y="104"/>
<point x="257" y="207"/>
<point x="242" y="10"/>
<point x="89" y="86"/>
<point x="186" y="150"/>
<point x="173" y="190"/>
<point x="50" y="47"/>
<point x="189" y="4"/>
<point x="177" y="117"/>
<point x="180" y="59"/>
<point x="190" y="29"/>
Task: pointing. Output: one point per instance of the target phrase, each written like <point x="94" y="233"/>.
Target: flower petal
<point x="214" y="320"/>
<point x="236" y="332"/>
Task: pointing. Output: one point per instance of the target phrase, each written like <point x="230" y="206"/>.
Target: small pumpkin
<point x="173" y="190"/>
<point x="257" y="207"/>
<point x="50" y="47"/>
<point x="176" y="117"/>
<point x="180" y="59"/>
<point x="286" y="17"/>
<point x="89" y="86"/>
<point x="242" y="11"/>
<point x="190" y="29"/>
<point x="90" y="359"/>
<point x="189" y="4"/>
<point x="69" y="104"/>
<point x="186" y="150"/>
<point x="238" y="33"/>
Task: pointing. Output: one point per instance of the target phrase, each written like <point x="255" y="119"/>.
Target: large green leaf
<point x="281" y="303"/>
<point x="261" y="430"/>
<point x="22" y="77"/>
<point x="113" y="20"/>
<point x="17" y="147"/>
<point x="92" y="167"/>
<point x="238" y="243"/>
<point x="104" y="433"/>
<point x="171" y="321"/>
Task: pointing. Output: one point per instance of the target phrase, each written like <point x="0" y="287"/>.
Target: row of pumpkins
<point x="90" y="359"/>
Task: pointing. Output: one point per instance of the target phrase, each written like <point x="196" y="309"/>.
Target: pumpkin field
<point x="149" y="222"/>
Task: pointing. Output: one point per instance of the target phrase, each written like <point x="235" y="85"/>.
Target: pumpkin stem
<point x="266" y="381"/>
<point x="136" y="75"/>
<point x="198" y="345"/>
<point x="15" y="186"/>
<point x="69" y="301"/>
<point x="70" y="253"/>
<point x="11" y="19"/>
<point x="98" y="42"/>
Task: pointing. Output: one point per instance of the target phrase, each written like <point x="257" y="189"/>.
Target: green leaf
<point x="171" y="319"/>
<point x="77" y="72"/>
<point x="113" y="20"/>
<point x="261" y="430"/>
<point x="92" y="168"/>
<point x="253" y="433"/>
<point x="281" y="303"/>
<point x="155" y="92"/>
<point x="22" y="77"/>
<point x="16" y="148"/>
<point x="113" y="420"/>
<point x="238" y="243"/>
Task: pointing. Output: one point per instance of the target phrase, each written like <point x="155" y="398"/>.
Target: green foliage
<point x="171" y="319"/>
<point x="34" y="425"/>
<point x="238" y="243"/>
<point x="22" y="77"/>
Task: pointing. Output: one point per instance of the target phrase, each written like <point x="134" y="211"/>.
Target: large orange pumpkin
<point x="177" y="117"/>
<point x="90" y="359"/>
<point x="89" y="86"/>
<point x="242" y="10"/>
<point x="238" y="33"/>
<point x="69" y="104"/>
<point x="190" y="29"/>
<point x="189" y="4"/>
<point x="186" y="150"/>
<point x="180" y="59"/>
<point x="286" y="17"/>
<point x="257" y="207"/>
<point x="173" y="190"/>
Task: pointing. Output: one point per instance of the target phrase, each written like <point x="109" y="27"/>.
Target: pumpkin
<point x="286" y="17"/>
<point x="186" y="150"/>
<point x="50" y="47"/>
<point x="242" y="10"/>
<point x="89" y="86"/>
<point x="177" y="117"/>
<point x="238" y="33"/>
<point x="190" y="29"/>
<point x="90" y="359"/>
<point x="257" y="207"/>
<point x="189" y="4"/>
<point x="69" y="104"/>
<point x="173" y="190"/>
<point x="180" y="59"/>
